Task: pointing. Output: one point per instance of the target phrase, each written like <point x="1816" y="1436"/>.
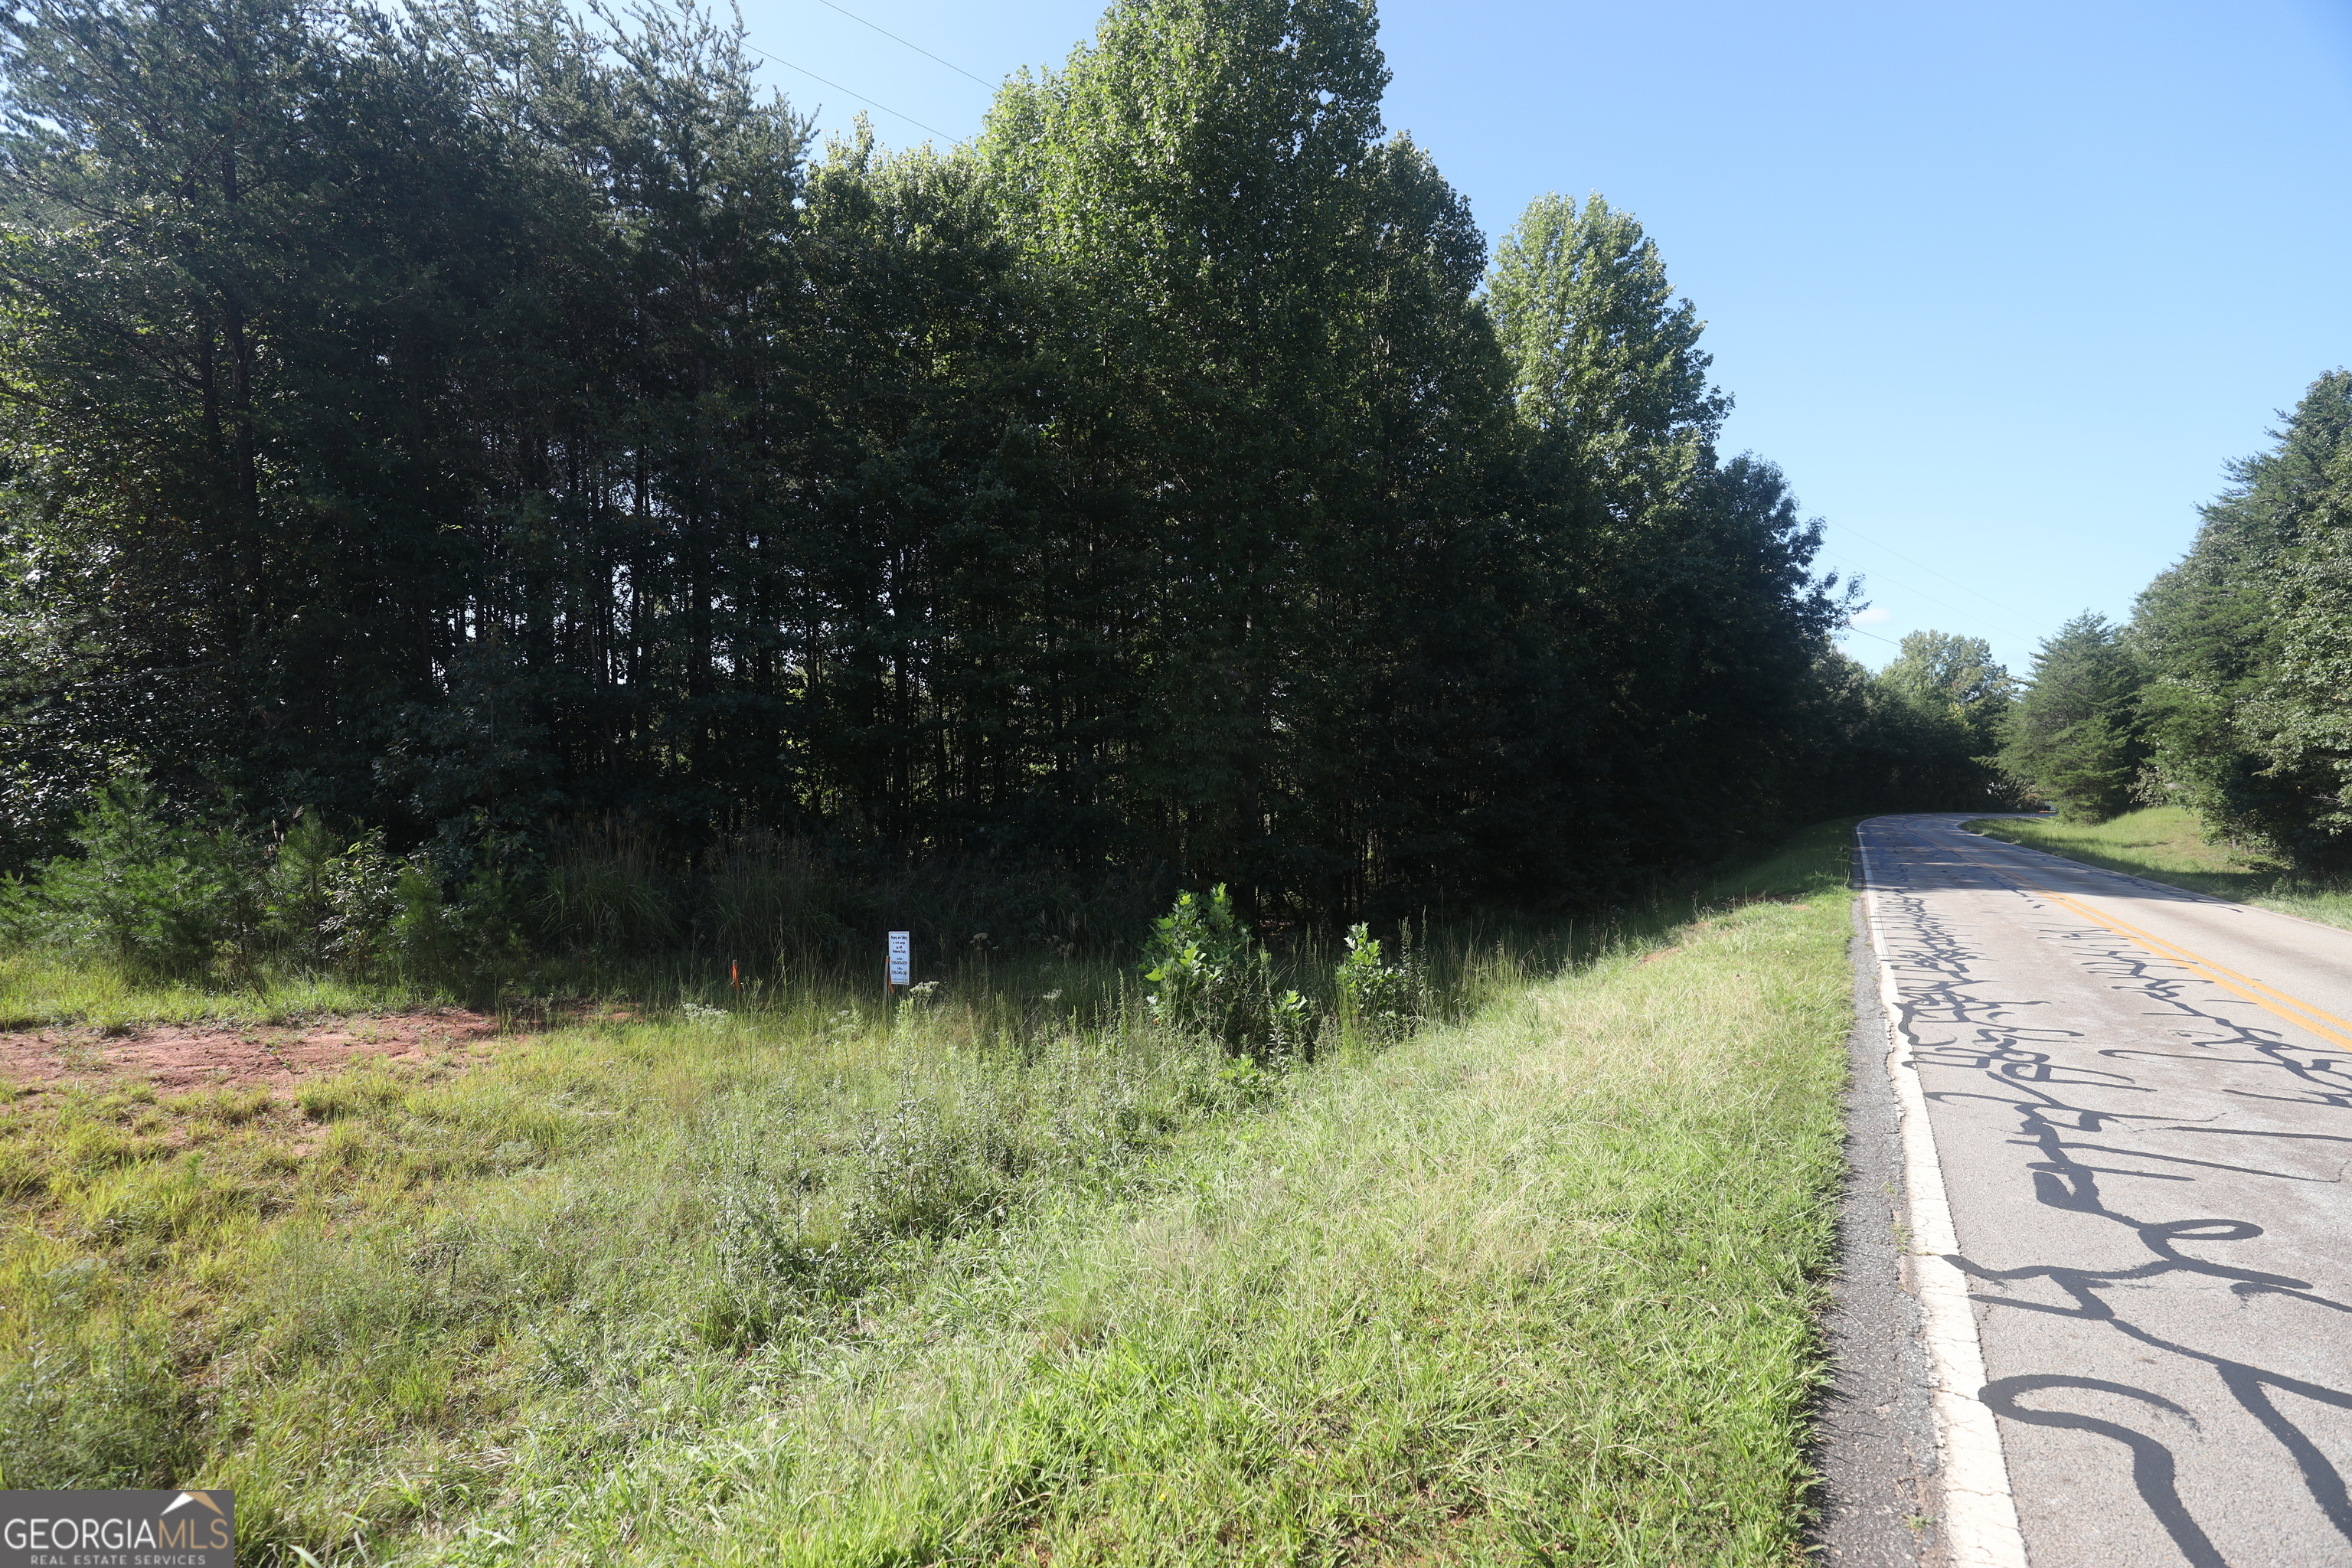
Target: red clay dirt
<point x="182" y="1057"/>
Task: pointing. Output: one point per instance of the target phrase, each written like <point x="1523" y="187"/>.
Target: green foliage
<point x="331" y="899"/>
<point x="1603" y="358"/>
<point x="1681" y="625"/>
<point x="1209" y="976"/>
<point x="2302" y="721"/>
<point x="163" y="900"/>
<point x="166" y="899"/>
<point x="2075" y="736"/>
<point x="481" y="426"/>
<point x="1376" y="1001"/>
<point x="1940" y="674"/>
<point x="1941" y="703"/>
<point x="1916" y="735"/>
<point x="2242" y="641"/>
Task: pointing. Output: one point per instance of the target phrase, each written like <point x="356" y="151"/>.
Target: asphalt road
<point x="2126" y="1134"/>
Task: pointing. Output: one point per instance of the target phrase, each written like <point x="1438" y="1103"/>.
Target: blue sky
<point x="2001" y="287"/>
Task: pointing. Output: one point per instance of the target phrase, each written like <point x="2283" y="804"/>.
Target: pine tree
<point x="2237" y="640"/>
<point x="2074" y="735"/>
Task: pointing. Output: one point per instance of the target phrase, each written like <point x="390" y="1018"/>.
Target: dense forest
<point x="504" y="438"/>
<point x="2229" y="691"/>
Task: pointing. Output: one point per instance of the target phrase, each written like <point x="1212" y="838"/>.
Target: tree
<point x="1919" y="735"/>
<point x="1939" y="673"/>
<point x="2076" y="735"/>
<point x="261" y="249"/>
<point x="1605" y="362"/>
<point x="1678" y="586"/>
<point x="2237" y="637"/>
<point x="2299" y="720"/>
<point x="1292" y="398"/>
<point x="480" y="426"/>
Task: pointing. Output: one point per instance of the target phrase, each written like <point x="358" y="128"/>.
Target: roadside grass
<point x="2167" y="844"/>
<point x="44" y="989"/>
<point x="1001" y="1277"/>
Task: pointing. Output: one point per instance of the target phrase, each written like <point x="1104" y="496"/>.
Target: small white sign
<point x="902" y="958"/>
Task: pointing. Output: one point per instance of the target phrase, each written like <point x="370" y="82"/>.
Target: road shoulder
<point x="1877" y="1432"/>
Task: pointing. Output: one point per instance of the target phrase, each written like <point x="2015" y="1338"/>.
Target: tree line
<point x="2228" y="692"/>
<point x="484" y="426"/>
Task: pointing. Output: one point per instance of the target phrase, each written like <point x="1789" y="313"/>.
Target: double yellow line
<point x="2294" y="1009"/>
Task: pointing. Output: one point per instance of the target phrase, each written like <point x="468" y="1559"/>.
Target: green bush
<point x="1210" y="977"/>
<point x="1375" y="1001"/>
<point x="331" y="903"/>
<point x="171" y="897"/>
<point x="164" y="900"/>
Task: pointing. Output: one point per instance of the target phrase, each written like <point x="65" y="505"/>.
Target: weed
<point x="223" y="1106"/>
<point x="368" y="1087"/>
<point x="1005" y="1273"/>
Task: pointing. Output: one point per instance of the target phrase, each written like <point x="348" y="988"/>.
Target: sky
<point x="2002" y="288"/>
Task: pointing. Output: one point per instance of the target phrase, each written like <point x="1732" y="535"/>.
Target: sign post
<point x="900" y="968"/>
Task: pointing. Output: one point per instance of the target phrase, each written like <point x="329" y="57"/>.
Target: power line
<point x="1956" y="609"/>
<point x="897" y="40"/>
<point x="1929" y="570"/>
<point x="1873" y="636"/>
<point x="780" y="61"/>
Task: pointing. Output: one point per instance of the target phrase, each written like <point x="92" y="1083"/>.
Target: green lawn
<point x="797" y="1286"/>
<point x="2167" y="844"/>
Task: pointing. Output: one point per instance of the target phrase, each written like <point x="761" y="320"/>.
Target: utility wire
<point x="1873" y="636"/>
<point x="897" y="40"/>
<point x="780" y="61"/>
<point x="1922" y="565"/>
<point x="1972" y="615"/>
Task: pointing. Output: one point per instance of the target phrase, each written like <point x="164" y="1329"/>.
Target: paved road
<point x="2140" y="1103"/>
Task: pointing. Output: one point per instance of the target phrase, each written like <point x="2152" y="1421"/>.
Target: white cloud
<point x="1873" y="616"/>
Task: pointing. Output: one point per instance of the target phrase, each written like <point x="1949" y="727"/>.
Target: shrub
<point x="1375" y="1000"/>
<point x="422" y="934"/>
<point x="332" y="900"/>
<point x="165" y="901"/>
<point x="1209" y="976"/>
<point x="169" y="898"/>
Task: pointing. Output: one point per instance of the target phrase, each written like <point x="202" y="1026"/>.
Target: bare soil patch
<point x="181" y="1056"/>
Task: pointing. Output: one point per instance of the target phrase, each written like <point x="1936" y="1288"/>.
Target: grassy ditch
<point x="987" y="1281"/>
<point x="2167" y="844"/>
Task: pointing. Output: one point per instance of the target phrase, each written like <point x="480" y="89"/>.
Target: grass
<point x="993" y="1280"/>
<point x="41" y="989"/>
<point x="2167" y="844"/>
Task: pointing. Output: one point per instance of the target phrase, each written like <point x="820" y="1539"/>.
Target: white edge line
<point x="1979" y="1521"/>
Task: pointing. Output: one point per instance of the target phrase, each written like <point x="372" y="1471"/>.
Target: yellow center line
<point x="2294" y="1009"/>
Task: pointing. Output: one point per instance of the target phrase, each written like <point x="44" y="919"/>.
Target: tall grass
<point x="1005" y="1272"/>
<point x="2167" y="844"/>
<point x="183" y="922"/>
<point x="42" y="988"/>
